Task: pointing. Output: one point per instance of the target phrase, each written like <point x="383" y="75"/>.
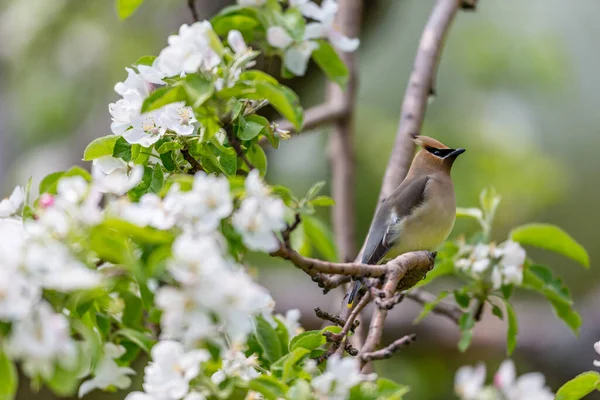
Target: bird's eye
<point x="437" y="152"/>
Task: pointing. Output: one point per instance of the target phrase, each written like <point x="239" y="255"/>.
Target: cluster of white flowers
<point x="507" y="260"/>
<point x="211" y="283"/>
<point x="113" y="175"/>
<point x="34" y="258"/>
<point x="341" y="375"/>
<point x="297" y="53"/>
<point x="259" y="216"/>
<point x="469" y="384"/>
<point x="187" y="52"/>
<point x="236" y="364"/>
<point x="169" y="374"/>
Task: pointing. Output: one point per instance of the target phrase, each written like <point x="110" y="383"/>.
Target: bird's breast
<point x="427" y="227"/>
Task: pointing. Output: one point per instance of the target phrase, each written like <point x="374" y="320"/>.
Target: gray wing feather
<point x="401" y="202"/>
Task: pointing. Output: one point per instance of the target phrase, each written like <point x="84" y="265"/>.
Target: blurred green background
<point x="518" y="86"/>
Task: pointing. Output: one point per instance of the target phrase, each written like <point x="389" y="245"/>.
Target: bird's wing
<point x="408" y="196"/>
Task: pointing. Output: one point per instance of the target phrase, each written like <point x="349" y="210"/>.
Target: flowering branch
<point x="193" y="162"/>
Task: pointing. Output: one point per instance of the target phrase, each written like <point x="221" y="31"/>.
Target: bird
<point x="419" y="214"/>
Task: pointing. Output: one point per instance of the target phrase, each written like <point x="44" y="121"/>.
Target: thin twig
<point x="388" y="351"/>
<point x="448" y="310"/>
<point x="391" y="302"/>
<point x="285" y="234"/>
<point x="320" y="115"/>
<point x="235" y="143"/>
<point x="192" y="6"/>
<point x="196" y="166"/>
<point x="324" y="315"/>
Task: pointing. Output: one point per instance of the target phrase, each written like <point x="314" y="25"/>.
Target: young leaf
<point x="243" y="19"/>
<point x="248" y="129"/>
<point x="319" y="235"/>
<point x="198" y="89"/>
<point x="142" y="340"/>
<point x="48" y="184"/>
<point x="283" y="99"/>
<point x="162" y="97"/>
<point x="145" y="60"/>
<point x="268" y="339"/>
<point x="462" y="297"/>
<point x="579" y="387"/>
<point x="322" y="201"/>
<point x="289" y="366"/>
<point x="466" y="324"/>
<point x="469" y="212"/>
<point x="100" y="147"/>
<point x="513" y="328"/>
<point x="122" y="149"/>
<point x="269" y="387"/>
<point x="127" y="7"/>
<point x="258" y="158"/>
<point x="551" y="238"/>
<point x="308" y="340"/>
<point x="9" y="380"/>
<point x="427" y="308"/>
<point x="330" y="63"/>
<point x="168" y="146"/>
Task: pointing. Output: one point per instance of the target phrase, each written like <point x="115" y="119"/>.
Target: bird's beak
<point x="455" y="153"/>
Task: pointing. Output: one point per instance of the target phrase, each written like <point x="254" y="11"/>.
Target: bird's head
<point x="435" y="153"/>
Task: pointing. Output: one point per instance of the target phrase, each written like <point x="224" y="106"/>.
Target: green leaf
<point x="513" y="328"/>
<point x="162" y="97"/>
<point x="308" y="340"/>
<point x="270" y="387"/>
<point x="138" y="233"/>
<point x="322" y="201"/>
<point x="540" y="279"/>
<point x="127" y="7"/>
<point x="466" y="324"/>
<point x="290" y="369"/>
<point x="258" y="158"/>
<point x="389" y="389"/>
<point x="462" y="297"/>
<point x="320" y="237"/>
<point x="284" y="336"/>
<point x="257" y="75"/>
<point x="133" y="312"/>
<point x="427" y="308"/>
<point x="283" y="99"/>
<point x="314" y="190"/>
<point x="497" y="311"/>
<point x="330" y="62"/>
<point x="103" y="146"/>
<point x="142" y="340"/>
<point x="9" y="381"/>
<point x="63" y="383"/>
<point x="168" y="162"/>
<point x="551" y="238"/>
<point x="122" y="149"/>
<point x="145" y="60"/>
<point x="168" y="146"/>
<point x="243" y="19"/>
<point x="198" y="89"/>
<point x="579" y="387"/>
<point x="507" y="291"/>
<point x="268" y="339"/>
<point x="469" y="212"/>
<point x="48" y="184"/>
<point x="248" y="129"/>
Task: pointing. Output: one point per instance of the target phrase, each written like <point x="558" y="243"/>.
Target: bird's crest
<point x="426" y="141"/>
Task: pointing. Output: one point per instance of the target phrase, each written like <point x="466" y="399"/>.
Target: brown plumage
<point x="420" y="213"/>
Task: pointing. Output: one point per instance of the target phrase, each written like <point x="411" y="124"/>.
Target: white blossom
<point x="125" y="111"/>
<point x="296" y="55"/>
<point x="152" y="73"/>
<point x="341" y="375"/>
<point x="478" y="260"/>
<point x="209" y="201"/>
<point x="146" y="129"/>
<point x="326" y="27"/>
<point x="169" y="374"/>
<point x="51" y="265"/>
<point x="597" y="349"/>
<point x="107" y="372"/>
<point x="151" y="210"/>
<point x="13" y="239"/>
<point x="40" y="341"/>
<point x="179" y="118"/>
<point x="510" y="267"/>
<point x="9" y="206"/>
<point x="236" y="364"/>
<point x="291" y="322"/>
<point x="254" y="185"/>
<point x="468" y="381"/>
<point x="134" y="82"/>
<point x="188" y="51"/>
<point x="257" y="219"/>
<point x="251" y="3"/>
<point x="526" y="387"/>
<point x="72" y="189"/>
<point x="308" y="8"/>
<point x="236" y="42"/>
<point x="17" y="295"/>
<point x="114" y="175"/>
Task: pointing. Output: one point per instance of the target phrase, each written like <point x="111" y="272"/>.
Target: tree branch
<point x="423" y="297"/>
<point x="420" y="87"/>
<point x="196" y="166"/>
<point x="388" y="351"/>
<point x="192" y="6"/>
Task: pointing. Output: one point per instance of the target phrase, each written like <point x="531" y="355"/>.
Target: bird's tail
<point x="354" y="293"/>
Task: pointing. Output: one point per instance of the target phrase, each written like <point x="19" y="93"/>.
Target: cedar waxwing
<point x="419" y="214"/>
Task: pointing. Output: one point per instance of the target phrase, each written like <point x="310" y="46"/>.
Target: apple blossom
<point x="11" y="205"/>
<point x="236" y="364"/>
<point x="341" y="375"/>
<point x="469" y="381"/>
<point x="107" y="372"/>
<point x="114" y="175"/>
